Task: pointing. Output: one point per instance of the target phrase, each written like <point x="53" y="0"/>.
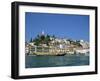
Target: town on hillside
<point x="44" y="44"/>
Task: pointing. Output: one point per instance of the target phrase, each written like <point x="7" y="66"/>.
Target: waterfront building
<point x="81" y="51"/>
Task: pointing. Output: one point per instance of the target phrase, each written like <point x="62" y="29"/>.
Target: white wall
<point x="5" y="40"/>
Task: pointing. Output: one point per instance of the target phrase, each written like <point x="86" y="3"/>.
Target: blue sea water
<point x="55" y="61"/>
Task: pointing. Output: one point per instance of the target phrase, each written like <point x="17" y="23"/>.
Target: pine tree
<point x="31" y="40"/>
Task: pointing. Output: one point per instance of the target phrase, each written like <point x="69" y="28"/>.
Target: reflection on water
<point x="55" y="61"/>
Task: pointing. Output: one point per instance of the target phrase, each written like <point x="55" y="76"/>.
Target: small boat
<point x="61" y="54"/>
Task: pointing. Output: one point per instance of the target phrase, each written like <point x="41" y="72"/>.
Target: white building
<point x="26" y="48"/>
<point x="85" y="44"/>
<point x="82" y="51"/>
<point x="31" y="43"/>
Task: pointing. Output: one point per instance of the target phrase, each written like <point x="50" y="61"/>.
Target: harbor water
<point x="56" y="61"/>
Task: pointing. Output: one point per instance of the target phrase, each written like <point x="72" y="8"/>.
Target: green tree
<point x="36" y="41"/>
<point x="54" y="36"/>
<point x="47" y="40"/>
<point x="31" y="40"/>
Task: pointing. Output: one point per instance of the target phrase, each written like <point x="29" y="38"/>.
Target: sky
<point x="70" y="26"/>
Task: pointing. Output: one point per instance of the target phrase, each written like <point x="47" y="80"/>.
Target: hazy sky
<point x="75" y="27"/>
